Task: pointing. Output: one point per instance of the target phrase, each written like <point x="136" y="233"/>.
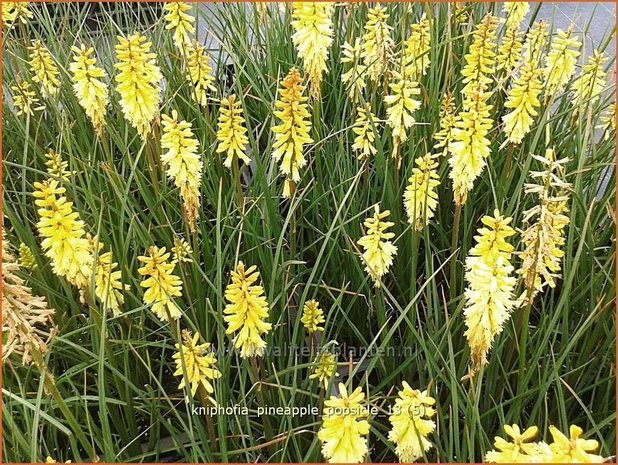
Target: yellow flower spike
<point x="325" y="368"/>
<point x="25" y="101"/>
<point x="91" y="92"/>
<point x="588" y="86"/>
<point x="293" y="132"/>
<point x="56" y="166"/>
<point x="232" y="134"/>
<point x="573" y="449"/>
<point x="411" y="423"/>
<point x="108" y="284"/>
<point x="520" y="449"/>
<point x="247" y="311"/>
<point x="377" y="43"/>
<point x="345" y="427"/>
<point x="199" y="73"/>
<point x="379" y="251"/>
<point x="182" y="251"/>
<point x="181" y="22"/>
<point x="64" y="238"/>
<point x="313" y="36"/>
<point x="160" y="283"/>
<point x="183" y="164"/>
<point x="514" y="13"/>
<point x="447" y="122"/>
<point x="481" y="57"/>
<point x="509" y="51"/>
<point x="400" y="107"/>
<point x="544" y="237"/>
<point x="523" y="100"/>
<point x="489" y="295"/>
<point x="139" y="81"/>
<point x="15" y="11"/>
<point x="535" y="42"/>
<point x="26" y="318"/>
<point x="420" y="198"/>
<point x="560" y="61"/>
<point x="26" y="257"/>
<point x="416" y="48"/>
<point x="364" y="142"/>
<point x="197" y="364"/>
<point x="354" y="78"/>
<point x="313" y="316"/>
<point x="470" y="145"/>
<point x="45" y="72"/>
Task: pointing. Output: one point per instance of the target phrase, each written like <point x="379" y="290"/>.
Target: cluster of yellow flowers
<point x="197" y="364"/>
<point x="26" y="318"/>
<point x="313" y="316"/>
<point x="232" y="134"/>
<point x="44" y="69"/>
<point x="345" y="425"/>
<point x="313" y="36"/>
<point x="293" y="132"/>
<point x="183" y="163"/>
<point x="563" y="449"/>
<point x="139" y="81"/>
<point x="379" y="251"/>
<point x="489" y="298"/>
<point x="13" y="12"/>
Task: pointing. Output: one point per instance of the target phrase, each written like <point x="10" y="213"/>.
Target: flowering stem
<point x="239" y="197"/>
<point x="257" y="380"/>
<point x="50" y="385"/>
<point x="454" y="241"/>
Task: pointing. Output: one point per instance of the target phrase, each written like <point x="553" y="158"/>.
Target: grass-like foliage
<point x="482" y="273"/>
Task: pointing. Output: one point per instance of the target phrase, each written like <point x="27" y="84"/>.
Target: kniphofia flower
<point x="108" y="283"/>
<point x="480" y="60"/>
<point x="292" y="134"/>
<point x="377" y="43"/>
<point x="379" y="251"/>
<point x="15" y="11"/>
<point x="354" y="77"/>
<point x="26" y="257"/>
<point x="232" y="134"/>
<point x="520" y="448"/>
<point x="26" y="318"/>
<point x="44" y="69"/>
<point x="324" y="369"/>
<point x="608" y="121"/>
<point x="364" y="128"/>
<point x="470" y="145"/>
<point x="417" y="47"/>
<point x="514" y="13"/>
<point x="411" y="423"/>
<point x="448" y="119"/>
<point x="197" y="364"/>
<point x="199" y="73"/>
<point x="544" y="236"/>
<point x="489" y="294"/>
<point x="182" y="23"/>
<point x="313" y="36"/>
<point x="160" y="283"/>
<point x="25" y="101"/>
<point x="313" y="316"/>
<point x="401" y="104"/>
<point x="560" y="61"/>
<point x="56" y="166"/>
<point x="247" y="311"/>
<point x="573" y="449"/>
<point x="139" y="80"/>
<point x="345" y="427"/>
<point x="91" y="91"/>
<point x="588" y="86"/>
<point x="509" y="50"/>
<point x="523" y="101"/>
<point x="420" y="198"/>
<point x="64" y="237"/>
<point x="182" y="251"/>
<point x="183" y="163"/>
